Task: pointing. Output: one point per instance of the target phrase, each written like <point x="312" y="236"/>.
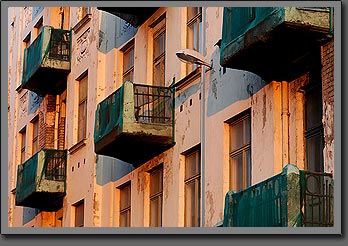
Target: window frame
<point x="129" y="71"/>
<point x="127" y="210"/>
<point x="159" y="59"/>
<point x="77" y="210"/>
<point x="242" y="150"/>
<point x="158" y="195"/>
<point x="23" y="134"/>
<point x="35" y="137"/>
<point x="195" y="180"/>
<point x="82" y="104"/>
<point x="313" y="131"/>
<point x="193" y="20"/>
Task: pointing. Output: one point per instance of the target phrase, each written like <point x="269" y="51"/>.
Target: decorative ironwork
<point x="317" y="199"/>
<point x="153" y="104"/>
<point x="60" y="45"/>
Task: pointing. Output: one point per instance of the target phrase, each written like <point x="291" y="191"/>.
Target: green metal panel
<point x="45" y="165"/>
<point x="26" y="178"/>
<point x="263" y="204"/>
<point x="292" y="198"/>
<point x="109" y="114"/>
<point x="238" y="20"/>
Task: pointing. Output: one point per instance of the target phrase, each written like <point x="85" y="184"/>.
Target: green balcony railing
<point x="46" y="62"/>
<point x="41" y="180"/>
<point x="135" y="119"/>
<point x="293" y="198"/>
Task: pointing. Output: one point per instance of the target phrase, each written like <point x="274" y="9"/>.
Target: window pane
<point x="314" y="153"/>
<point x="35" y="136"/>
<point x="248" y="168"/>
<point x="154" y="212"/>
<point x="156" y="181"/>
<point x="190" y="204"/>
<point x="236" y="136"/>
<point x="192" y="164"/>
<point x="236" y="172"/>
<point x="125" y="195"/>
<point x="23" y="139"/>
<point x="79" y="215"/>
<point x="83" y="89"/>
<point x="313" y="109"/>
<point x="82" y="112"/>
<point x="247" y="131"/>
<point x="128" y="61"/>
<point x="125" y="219"/>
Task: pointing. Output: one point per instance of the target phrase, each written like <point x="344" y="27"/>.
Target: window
<point x="192" y="189"/>
<point x="194" y="31"/>
<point x="35" y="124"/>
<point x="79" y="213"/>
<point x="240" y="153"/>
<point x="38" y="27"/>
<point x="125" y="205"/>
<point x="26" y="41"/>
<point x="23" y="141"/>
<point x="128" y="63"/>
<point x="156" y="195"/>
<point x="159" y="47"/>
<point x="314" y="129"/>
<point x="82" y="109"/>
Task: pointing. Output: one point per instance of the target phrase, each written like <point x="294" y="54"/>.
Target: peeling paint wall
<point x="327" y="60"/>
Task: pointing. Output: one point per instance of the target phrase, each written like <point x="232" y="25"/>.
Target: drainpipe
<point x="56" y="123"/>
<point x="204" y="9"/>
<point x="285" y="115"/>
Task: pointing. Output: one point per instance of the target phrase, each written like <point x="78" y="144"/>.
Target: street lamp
<point x="192" y="57"/>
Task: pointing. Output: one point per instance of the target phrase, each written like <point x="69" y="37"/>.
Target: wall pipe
<point x="56" y="124"/>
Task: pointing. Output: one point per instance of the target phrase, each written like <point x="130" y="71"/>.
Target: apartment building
<point x="108" y="128"/>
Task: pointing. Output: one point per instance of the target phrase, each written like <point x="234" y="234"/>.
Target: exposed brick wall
<point x="61" y="133"/>
<point x="327" y="58"/>
<point x="327" y="61"/>
<point x="46" y="122"/>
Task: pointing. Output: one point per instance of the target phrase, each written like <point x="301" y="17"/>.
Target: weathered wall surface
<point x="327" y="60"/>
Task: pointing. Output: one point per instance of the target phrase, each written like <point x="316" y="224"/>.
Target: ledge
<point x="77" y="146"/>
<point x="81" y="23"/>
<point x="187" y="79"/>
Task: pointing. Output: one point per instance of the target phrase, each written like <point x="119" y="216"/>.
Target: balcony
<point x="275" y="43"/>
<point x="133" y="15"/>
<point x="47" y="62"/>
<point x="293" y="198"/>
<point x="135" y="123"/>
<point x="41" y="180"/>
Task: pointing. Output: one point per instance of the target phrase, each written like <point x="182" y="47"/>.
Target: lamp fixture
<point x="192" y="57"/>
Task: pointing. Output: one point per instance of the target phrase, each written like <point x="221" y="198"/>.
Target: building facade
<point x="109" y="128"/>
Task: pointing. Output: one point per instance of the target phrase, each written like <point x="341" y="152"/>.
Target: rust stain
<point x="210" y="202"/>
<point x="264" y="112"/>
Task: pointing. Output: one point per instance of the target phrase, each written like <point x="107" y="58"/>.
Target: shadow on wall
<point x="228" y="86"/>
<point x="113" y="32"/>
<point x="110" y="169"/>
<point x="185" y="94"/>
<point x="29" y="214"/>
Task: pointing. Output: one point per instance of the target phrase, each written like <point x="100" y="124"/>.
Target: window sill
<point x="19" y="88"/>
<point x="77" y="146"/>
<point x="81" y="23"/>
